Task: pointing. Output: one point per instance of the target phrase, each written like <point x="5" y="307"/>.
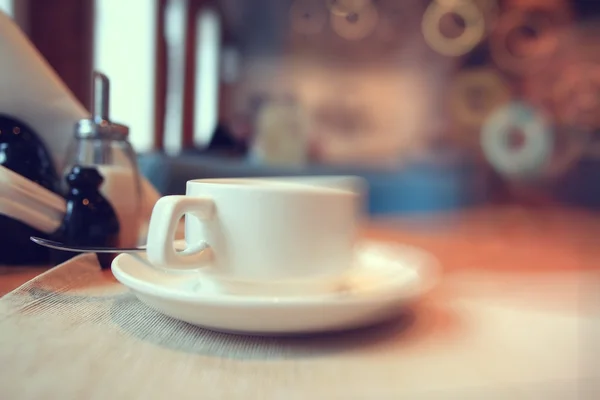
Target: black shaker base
<point x="58" y="257"/>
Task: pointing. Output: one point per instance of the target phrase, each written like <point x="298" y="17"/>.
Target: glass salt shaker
<point x="104" y="145"/>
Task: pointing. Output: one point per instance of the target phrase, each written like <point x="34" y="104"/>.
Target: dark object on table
<point x="22" y="151"/>
<point x="16" y="248"/>
<point x="90" y="219"/>
<point x="224" y="142"/>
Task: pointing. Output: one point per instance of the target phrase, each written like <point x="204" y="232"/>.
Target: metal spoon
<point x="84" y="249"/>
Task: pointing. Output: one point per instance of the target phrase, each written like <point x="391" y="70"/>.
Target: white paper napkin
<point x="31" y="91"/>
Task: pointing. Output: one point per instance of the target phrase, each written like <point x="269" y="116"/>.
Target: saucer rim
<point x="427" y="271"/>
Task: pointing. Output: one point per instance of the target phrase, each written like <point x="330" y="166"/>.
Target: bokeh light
<point x="475" y="93"/>
<point x="453" y="28"/>
<point x="518" y="141"/>
<point x="355" y="25"/>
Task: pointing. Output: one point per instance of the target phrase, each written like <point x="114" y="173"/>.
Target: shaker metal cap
<point x="99" y="125"/>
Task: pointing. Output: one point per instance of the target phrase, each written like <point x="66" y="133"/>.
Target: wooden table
<point x="515" y="316"/>
<point x="13" y="277"/>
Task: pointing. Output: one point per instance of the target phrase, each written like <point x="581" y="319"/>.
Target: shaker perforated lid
<point x="100" y="125"/>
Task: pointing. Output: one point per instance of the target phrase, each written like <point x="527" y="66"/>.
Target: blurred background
<point x="439" y="104"/>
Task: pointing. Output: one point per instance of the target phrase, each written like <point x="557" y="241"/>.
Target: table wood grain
<point x="11" y="277"/>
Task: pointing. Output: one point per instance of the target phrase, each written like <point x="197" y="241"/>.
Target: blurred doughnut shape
<point x="474" y="94"/>
<point x="489" y="8"/>
<point x="355" y="25"/>
<point x="527" y="34"/>
<point x="517" y="141"/>
<point x="463" y="18"/>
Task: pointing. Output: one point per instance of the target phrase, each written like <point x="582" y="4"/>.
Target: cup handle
<point x="165" y="217"/>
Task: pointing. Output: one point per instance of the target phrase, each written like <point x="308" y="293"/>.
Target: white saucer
<point x="388" y="278"/>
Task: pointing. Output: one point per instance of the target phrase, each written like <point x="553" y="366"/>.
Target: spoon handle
<point x="84" y="249"/>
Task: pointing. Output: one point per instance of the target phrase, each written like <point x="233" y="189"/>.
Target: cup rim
<point x="281" y="184"/>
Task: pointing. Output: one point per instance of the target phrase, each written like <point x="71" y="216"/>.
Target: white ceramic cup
<point x="260" y="231"/>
